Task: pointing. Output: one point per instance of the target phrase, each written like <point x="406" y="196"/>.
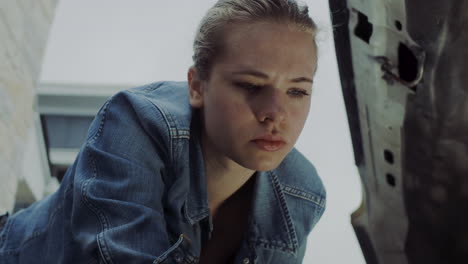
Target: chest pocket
<point x="178" y="253"/>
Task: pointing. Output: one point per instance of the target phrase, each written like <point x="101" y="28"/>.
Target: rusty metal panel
<point x="404" y="79"/>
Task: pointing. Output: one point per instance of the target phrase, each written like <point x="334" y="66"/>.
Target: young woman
<point x="202" y="171"/>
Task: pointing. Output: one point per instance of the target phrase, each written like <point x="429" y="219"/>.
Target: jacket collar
<point x="271" y="226"/>
<point x="271" y="223"/>
<point x="197" y="207"/>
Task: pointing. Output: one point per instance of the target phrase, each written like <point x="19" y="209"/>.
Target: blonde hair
<point x="208" y="39"/>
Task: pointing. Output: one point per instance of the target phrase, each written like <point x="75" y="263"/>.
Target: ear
<point x="195" y="88"/>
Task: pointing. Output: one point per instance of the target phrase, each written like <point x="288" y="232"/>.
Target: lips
<point x="268" y="145"/>
<point x="269" y="142"/>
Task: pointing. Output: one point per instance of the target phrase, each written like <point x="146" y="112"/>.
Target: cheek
<point x="298" y="117"/>
<point x="239" y="111"/>
<point x="226" y="115"/>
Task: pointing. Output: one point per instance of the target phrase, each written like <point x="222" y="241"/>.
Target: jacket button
<point x="246" y="261"/>
<point x="178" y="257"/>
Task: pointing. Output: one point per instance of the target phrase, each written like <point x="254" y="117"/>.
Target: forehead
<point x="270" y="47"/>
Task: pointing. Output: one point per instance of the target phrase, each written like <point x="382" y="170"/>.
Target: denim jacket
<point x="137" y="194"/>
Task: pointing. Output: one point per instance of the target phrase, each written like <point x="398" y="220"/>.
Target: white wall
<point x="141" y="41"/>
<point x="24" y="27"/>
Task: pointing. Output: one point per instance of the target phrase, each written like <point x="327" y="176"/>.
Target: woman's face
<point x="257" y="97"/>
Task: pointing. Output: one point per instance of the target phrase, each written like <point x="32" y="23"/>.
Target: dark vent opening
<point x="391" y="180"/>
<point x="398" y="25"/>
<point x="388" y="155"/>
<point x="363" y="29"/>
<point x="407" y="64"/>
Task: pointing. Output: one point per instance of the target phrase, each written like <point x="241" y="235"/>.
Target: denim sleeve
<point x="119" y="183"/>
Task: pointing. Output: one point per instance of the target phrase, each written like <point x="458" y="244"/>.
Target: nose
<point x="271" y="109"/>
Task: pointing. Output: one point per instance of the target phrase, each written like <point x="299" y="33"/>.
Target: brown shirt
<point x="230" y="224"/>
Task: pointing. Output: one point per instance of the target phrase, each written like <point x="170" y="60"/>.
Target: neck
<point x="223" y="176"/>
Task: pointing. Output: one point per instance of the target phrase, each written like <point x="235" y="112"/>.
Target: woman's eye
<point x="298" y="92"/>
<point x="249" y="87"/>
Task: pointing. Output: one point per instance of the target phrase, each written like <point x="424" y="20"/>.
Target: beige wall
<point x="24" y="27"/>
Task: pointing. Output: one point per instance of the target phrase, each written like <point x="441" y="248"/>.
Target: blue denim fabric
<point x="137" y="194"/>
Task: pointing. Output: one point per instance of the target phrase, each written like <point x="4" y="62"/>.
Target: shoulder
<point x="170" y="98"/>
<point x="160" y="105"/>
<point x="299" y="177"/>
<point x="149" y="115"/>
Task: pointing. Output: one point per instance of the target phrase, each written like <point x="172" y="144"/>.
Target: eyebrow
<point x="265" y="76"/>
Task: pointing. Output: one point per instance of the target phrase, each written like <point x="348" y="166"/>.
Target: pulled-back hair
<point x="209" y="36"/>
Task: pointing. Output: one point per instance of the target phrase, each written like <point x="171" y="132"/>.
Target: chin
<point x="261" y="165"/>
